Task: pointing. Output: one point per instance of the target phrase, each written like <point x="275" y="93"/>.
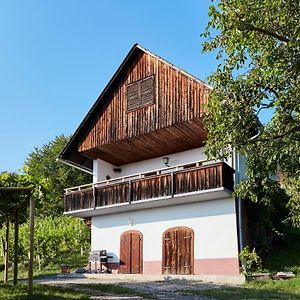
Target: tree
<point x="42" y="165"/>
<point x="258" y="44"/>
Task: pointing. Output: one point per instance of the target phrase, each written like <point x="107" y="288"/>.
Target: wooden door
<point x="131" y="252"/>
<point x="178" y="251"/>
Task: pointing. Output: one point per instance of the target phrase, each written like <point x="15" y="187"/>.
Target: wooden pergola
<point x="14" y="214"/>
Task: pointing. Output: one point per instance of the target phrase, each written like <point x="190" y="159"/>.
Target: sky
<point x="57" y="56"/>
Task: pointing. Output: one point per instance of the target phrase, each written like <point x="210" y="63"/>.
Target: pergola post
<point x="31" y="245"/>
<point x="16" y="247"/>
<point x="6" y="253"/>
<point x="11" y="212"/>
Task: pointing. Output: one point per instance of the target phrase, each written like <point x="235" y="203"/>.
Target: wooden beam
<point x="3" y="189"/>
<point x="16" y="247"/>
<point x="31" y="245"/>
<point x="6" y="252"/>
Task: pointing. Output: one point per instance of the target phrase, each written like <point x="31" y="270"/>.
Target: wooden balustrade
<point x="111" y="194"/>
<point x="151" y="187"/>
<point x="193" y="179"/>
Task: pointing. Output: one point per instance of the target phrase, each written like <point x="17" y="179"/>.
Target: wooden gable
<point x="150" y="108"/>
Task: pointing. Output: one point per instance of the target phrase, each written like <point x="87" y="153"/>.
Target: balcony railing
<point x="168" y="182"/>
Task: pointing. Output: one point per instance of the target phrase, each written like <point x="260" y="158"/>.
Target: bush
<point x="250" y="261"/>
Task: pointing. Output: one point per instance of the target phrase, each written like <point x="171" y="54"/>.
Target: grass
<point x="73" y="262"/>
<point x="78" y="291"/>
<point x="271" y="289"/>
<point x="40" y="292"/>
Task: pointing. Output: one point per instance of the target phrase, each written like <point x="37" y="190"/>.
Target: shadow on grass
<point x="41" y="292"/>
<point x="289" y="289"/>
<point x="243" y="294"/>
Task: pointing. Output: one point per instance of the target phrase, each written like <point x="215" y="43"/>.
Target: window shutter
<point x="133" y="96"/>
<point x="147" y="91"/>
<point x="140" y="93"/>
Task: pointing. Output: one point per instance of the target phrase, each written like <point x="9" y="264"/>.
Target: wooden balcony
<point x="161" y="184"/>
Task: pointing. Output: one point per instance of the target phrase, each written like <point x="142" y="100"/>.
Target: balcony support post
<point x="65" y="203"/>
<point x="94" y="196"/>
<point x="129" y="191"/>
<point x="172" y="184"/>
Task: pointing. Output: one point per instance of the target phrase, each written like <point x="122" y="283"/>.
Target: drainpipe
<point x="239" y="201"/>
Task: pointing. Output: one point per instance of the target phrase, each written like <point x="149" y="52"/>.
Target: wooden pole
<point x="16" y="247"/>
<point x="5" y="279"/>
<point x="31" y="245"/>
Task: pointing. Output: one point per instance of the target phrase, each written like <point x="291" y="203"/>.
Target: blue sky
<point x="57" y="56"/>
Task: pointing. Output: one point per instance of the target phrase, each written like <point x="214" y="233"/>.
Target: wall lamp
<point x="117" y="170"/>
<point x="166" y="161"/>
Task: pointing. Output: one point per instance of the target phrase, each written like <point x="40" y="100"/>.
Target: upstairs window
<point x="140" y="93"/>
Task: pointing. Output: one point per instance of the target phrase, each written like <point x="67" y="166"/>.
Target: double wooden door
<point x="178" y="251"/>
<point x="131" y="252"/>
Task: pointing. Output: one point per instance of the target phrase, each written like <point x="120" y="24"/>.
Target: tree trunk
<point x="31" y="246"/>
<point x="16" y="247"/>
<point x="6" y="252"/>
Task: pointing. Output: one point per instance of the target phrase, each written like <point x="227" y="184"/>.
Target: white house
<point x="156" y="204"/>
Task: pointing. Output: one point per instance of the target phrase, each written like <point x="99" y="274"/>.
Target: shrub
<point x="250" y="261"/>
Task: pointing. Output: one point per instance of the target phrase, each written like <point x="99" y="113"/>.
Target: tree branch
<point x="267" y="32"/>
<point x="279" y="136"/>
<point x="264" y="106"/>
<point x="276" y="137"/>
<point x="269" y="89"/>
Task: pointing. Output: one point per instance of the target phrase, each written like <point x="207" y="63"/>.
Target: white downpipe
<point x="239" y="201"/>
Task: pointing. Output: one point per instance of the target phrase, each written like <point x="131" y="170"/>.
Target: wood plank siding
<point x="194" y="179"/>
<point x="168" y="122"/>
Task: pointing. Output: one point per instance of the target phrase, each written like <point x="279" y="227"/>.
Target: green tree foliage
<point x="258" y="44"/>
<point x="10" y="201"/>
<point x="42" y="165"/>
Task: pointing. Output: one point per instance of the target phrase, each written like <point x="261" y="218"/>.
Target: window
<point x="140" y="93"/>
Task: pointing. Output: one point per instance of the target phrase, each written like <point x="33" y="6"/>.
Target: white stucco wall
<point x="213" y="222"/>
<point x="102" y="168"/>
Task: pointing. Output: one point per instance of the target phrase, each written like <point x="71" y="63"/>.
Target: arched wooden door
<point x="178" y="251"/>
<point x="131" y="252"/>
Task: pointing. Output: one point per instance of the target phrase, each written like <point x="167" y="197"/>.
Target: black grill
<point x="103" y="256"/>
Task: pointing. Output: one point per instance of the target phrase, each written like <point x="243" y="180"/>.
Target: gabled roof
<point x="70" y="154"/>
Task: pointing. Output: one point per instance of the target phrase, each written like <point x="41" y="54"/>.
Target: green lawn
<point x="40" y="292"/>
<point x="74" y="262"/>
<point x="271" y="289"/>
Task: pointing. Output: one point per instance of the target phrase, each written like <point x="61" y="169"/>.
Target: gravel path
<point x="164" y="290"/>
